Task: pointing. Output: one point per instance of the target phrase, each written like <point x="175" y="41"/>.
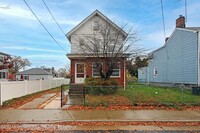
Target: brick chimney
<point x="180" y="22"/>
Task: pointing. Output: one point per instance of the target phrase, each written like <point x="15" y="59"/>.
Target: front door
<point x="79" y="72"/>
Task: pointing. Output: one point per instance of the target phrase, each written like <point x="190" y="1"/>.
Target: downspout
<point x="148" y="72"/>
<point x="124" y="74"/>
<point x="198" y="48"/>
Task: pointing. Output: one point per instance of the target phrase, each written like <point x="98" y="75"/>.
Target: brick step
<point x="76" y="89"/>
<point x="73" y="96"/>
<point x="76" y="92"/>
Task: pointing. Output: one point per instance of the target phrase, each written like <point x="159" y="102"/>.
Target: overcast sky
<point x="22" y="35"/>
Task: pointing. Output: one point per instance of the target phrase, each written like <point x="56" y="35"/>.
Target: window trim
<point x="93" y="69"/>
<point x="119" y="71"/>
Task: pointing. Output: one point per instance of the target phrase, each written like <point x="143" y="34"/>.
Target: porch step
<point x="76" y="89"/>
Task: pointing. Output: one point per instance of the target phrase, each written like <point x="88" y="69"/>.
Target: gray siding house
<point x="34" y="74"/>
<point x="178" y="60"/>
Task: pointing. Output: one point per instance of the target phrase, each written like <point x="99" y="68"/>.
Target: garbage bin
<point x="196" y="90"/>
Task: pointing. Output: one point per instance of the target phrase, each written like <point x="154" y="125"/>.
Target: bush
<point x="97" y="86"/>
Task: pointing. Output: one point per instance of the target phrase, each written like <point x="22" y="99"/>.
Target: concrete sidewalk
<point x="53" y="116"/>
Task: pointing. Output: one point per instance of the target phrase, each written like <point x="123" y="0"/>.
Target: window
<point x="155" y="72"/>
<point x="111" y="48"/>
<point x="2" y="75"/>
<point x="116" y="70"/>
<point x="95" y="69"/>
<point x="26" y="77"/>
<point x="97" y="46"/>
<point x="81" y="42"/>
<point x="142" y="72"/>
<point x="1" y="60"/>
<point x="96" y="26"/>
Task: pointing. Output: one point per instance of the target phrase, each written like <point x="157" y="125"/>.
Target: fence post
<point x="26" y="87"/>
<point x="40" y="85"/>
<point x="49" y="84"/>
<point x="1" y="102"/>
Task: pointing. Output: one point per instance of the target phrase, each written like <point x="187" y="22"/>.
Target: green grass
<point x="66" y="87"/>
<point x="140" y="93"/>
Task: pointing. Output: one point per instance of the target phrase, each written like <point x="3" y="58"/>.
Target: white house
<point x="34" y="74"/>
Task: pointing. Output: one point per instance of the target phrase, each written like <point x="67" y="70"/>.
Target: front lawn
<point x="140" y="94"/>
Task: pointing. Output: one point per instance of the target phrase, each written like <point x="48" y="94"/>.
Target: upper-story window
<point x="97" y="46"/>
<point x="96" y="26"/>
<point x="81" y="42"/>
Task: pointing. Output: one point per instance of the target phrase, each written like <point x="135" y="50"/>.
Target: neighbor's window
<point x="95" y="69"/>
<point x="142" y="72"/>
<point x="26" y="77"/>
<point x="116" y="70"/>
<point x="155" y="72"/>
<point x="1" y="60"/>
<point x="96" y="26"/>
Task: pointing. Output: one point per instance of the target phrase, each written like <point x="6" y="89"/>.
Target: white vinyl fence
<point x="14" y="89"/>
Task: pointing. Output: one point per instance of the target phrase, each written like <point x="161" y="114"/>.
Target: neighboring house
<point x="142" y="75"/>
<point x="178" y="61"/>
<point x="82" y="65"/>
<point x="3" y="68"/>
<point x="34" y="74"/>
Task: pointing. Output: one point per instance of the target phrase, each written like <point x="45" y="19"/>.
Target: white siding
<point x="86" y="29"/>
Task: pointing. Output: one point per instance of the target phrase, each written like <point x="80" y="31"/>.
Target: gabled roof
<point x="34" y="71"/>
<point x="1" y="53"/>
<point x="191" y="29"/>
<point x="96" y="12"/>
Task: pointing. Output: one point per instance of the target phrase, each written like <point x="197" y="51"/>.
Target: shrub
<point x="97" y="86"/>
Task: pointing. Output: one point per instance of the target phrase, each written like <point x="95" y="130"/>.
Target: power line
<point x="44" y="26"/>
<point x="163" y="19"/>
<point x="53" y="17"/>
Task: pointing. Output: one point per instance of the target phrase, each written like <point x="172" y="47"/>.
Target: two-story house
<point x="4" y="66"/>
<point x="178" y="61"/>
<point x="85" y="50"/>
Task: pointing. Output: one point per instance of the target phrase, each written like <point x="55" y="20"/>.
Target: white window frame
<point x="117" y="69"/>
<point x="93" y="69"/>
<point x="96" y="26"/>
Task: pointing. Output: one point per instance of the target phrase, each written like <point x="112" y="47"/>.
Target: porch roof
<point x="83" y="56"/>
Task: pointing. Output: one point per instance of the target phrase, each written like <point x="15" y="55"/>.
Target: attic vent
<point x="96" y="26"/>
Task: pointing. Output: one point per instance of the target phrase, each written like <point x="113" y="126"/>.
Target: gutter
<point x="198" y="61"/>
<point x="124" y="74"/>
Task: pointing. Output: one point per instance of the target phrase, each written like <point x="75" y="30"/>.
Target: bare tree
<point x="62" y="72"/>
<point x="109" y="45"/>
<point x="19" y="63"/>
